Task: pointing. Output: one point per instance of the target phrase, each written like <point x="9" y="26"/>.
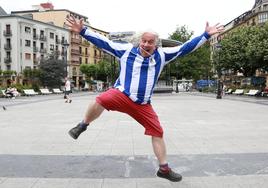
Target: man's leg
<point x="92" y="113"/>
<point x="164" y="171"/>
<point x="159" y="148"/>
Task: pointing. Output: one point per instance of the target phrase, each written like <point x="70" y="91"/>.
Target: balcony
<point x="57" y="41"/>
<point x="75" y="52"/>
<point x="7" y="33"/>
<point x="63" y="42"/>
<point x="35" y="37"/>
<point x="76" y="41"/>
<point x="57" y="52"/>
<point x="35" y="49"/>
<point x="43" y="50"/>
<point x="7" y="47"/>
<point x="7" y="60"/>
<point x="35" y="61"/>
<point x="43" y="38"/>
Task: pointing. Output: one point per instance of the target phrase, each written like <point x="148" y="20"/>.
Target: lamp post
<point x="65" y="45"/>
<point x="218" y="69"/>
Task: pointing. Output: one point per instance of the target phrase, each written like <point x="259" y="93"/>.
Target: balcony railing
<point x="57" y="41"/>
<point x="77" y="41"/>
<point x="7" y="33"/>
<point x="43" y="50"/>
<point x="43" y="38"/>
<point x="8" y="60"/>
<point x="7" y="47"/>
<point x="35" y="49"/>
<point x="35" y="37"/>
<point x="35" y="61"/>
<point x="75" y="52"/>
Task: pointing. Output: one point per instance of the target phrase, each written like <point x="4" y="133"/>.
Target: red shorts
<point x="115" y="100"/>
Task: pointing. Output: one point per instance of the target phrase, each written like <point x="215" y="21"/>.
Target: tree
<point x="52" y="72"/>
<point x="195" y="65"/>
<point x="89" y="70"/>
<point x="245" y="50"/>
<point x="103" y="70"/>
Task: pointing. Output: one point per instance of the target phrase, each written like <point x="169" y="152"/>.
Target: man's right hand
<point x="74" y="25"/>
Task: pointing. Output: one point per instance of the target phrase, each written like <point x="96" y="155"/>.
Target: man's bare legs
<point x="93" y="112"/>
<point x="159" y="148"/>
<point x="160" y="152"/>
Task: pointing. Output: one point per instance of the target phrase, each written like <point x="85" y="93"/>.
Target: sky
<point x="162" y="16"/>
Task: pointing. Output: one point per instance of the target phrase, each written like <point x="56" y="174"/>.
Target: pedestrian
<point x="140" y="68"/>
<point x="67" y="90"/>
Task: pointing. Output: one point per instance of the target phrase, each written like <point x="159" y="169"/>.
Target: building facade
<point x="24" y="42"/>
<point x="79" y="50"/>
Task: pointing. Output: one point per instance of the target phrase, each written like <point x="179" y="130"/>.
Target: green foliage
<point x="245" y="50"/>
<point x="196" y="65"/>
<point x="8" y="73"/>
<point x="52" y="72"/>
<point x="103" y="70"/>
<point x="89" y="70"/>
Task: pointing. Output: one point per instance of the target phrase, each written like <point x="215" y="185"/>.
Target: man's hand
<point x="75" y="25"/>
<point x="211" y="30"/>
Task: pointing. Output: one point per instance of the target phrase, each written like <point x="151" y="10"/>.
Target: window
<point x="52" y="47"/>
<point x="80" y="60"/>
<point x="86" y="61"/>
<point x="263" y="17"/>
<point x="95" y="53"/>
<point x="80" y="50"/>
<point x="27" y="29"/>
<point x="51" y="35"/>
<point x="86" y="51"/>
<point x="27" y="56"/>
<point x="28" y="43"/>
<point x="34" y="32"/>
<point x="8" y="27"/>
<point x="42" y="45"/>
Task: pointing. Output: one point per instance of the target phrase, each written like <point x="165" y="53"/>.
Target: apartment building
<point x="24" y="42"/>
<point x="258" y="15"/>
<point x="79" y="49"/>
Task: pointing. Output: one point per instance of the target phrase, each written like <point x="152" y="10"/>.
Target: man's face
<point x="147" y="44"/>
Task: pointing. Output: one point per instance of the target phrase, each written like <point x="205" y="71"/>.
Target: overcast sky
<point x="162" y="16"/>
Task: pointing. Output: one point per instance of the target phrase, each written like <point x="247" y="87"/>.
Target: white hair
<point x="135" y="39"/>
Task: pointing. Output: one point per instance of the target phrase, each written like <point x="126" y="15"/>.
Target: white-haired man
<point x="140" y="68"/>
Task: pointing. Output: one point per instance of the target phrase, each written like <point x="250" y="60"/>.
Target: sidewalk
<point x="212" y="143"/>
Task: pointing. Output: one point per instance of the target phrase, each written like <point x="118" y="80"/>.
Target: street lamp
<point x="218" y="69"/>
<point x="65" y="45"/>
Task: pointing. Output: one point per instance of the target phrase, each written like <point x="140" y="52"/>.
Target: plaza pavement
<point x="213" y="143"/>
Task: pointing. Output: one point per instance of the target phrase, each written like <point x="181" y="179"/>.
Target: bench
<point x="239" y="92"/>
<point x="57" y="91"/>
<point x="45" y="91"/>
<point x="229" y="91"/>
<point x="252" y="92"/>
<point x="29" y="92"/>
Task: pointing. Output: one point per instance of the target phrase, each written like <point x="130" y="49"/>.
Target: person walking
<point x="140" y="68"/>
<point x="67" y="90"/>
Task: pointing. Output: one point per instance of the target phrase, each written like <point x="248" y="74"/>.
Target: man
<point x="67" y="88"/>
<point x="140" y="67"/>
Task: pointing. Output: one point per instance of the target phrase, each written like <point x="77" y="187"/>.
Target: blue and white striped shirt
<point x="138" y="75"/>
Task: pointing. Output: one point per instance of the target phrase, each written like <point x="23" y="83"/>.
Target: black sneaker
<point x="76" y="131"/>
<point x="170" y="175"/>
